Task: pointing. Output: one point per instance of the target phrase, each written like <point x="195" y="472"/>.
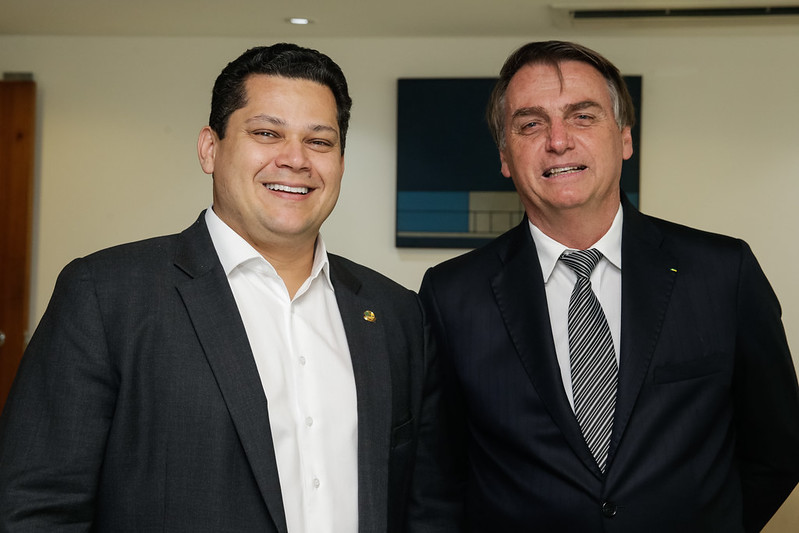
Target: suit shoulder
<point x="142" y="263"/>
<point x="696" y="250"/>
<point x="481" y="261"/>
<point x="350" y="272"/>
<point x="132" y="255"/>
<point x="686" y="236"/>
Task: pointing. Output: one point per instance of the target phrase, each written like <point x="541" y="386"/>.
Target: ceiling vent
<point x="573" y="15"/>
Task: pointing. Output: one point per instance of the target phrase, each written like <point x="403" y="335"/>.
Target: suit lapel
<point x="648" y="274"/>
<point x="370" y="364"/>
<point x="217" y="322"/>
<point x="519" y="290"/>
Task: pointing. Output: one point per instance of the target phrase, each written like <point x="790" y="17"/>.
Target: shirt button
<point x="316" y="483"/>
<point x="302" y="360"/>
<point x="308" y="421"/>
<point x="609" y="510"/>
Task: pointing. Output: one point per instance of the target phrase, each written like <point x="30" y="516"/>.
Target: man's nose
<point x="559" y="137"/>
<point x="293" y="154"/>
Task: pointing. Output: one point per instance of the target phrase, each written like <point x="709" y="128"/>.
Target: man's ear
<point x="206" y="149"/>
<point x="626" y="143"/>
<point x="504" y="165"/>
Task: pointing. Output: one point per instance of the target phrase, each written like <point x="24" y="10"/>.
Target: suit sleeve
<point x="766" y="399"/>
<point x="435" y="502"/>
<point x="54" y="427"/>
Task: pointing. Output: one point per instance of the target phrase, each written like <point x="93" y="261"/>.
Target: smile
<point x="557" y="171"/>
<point x="286" y="188"/>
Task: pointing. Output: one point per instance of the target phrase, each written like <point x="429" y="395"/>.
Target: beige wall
<point x="118" y="119"/>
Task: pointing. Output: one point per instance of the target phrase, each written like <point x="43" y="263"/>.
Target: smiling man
<point x="235" y="377"/>
<point x="607" y="371"/>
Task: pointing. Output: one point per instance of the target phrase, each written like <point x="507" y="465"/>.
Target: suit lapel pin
<point x="369" y="316"/>
<point x="673" y="269"/>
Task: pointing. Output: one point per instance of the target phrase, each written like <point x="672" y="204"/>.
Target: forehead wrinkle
<point x="556" y="67"/>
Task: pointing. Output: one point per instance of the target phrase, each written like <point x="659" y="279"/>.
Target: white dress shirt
<point x="559" y="282"/>
<point x="303" y="359"/>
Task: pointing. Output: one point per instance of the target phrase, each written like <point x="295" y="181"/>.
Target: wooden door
<point x="17" y="142"/>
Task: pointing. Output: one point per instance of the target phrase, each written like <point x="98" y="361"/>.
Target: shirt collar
<point x="234" y="251"/>
<point x="549" y="250"/>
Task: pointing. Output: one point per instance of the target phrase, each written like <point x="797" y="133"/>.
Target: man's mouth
<point x="557" y="171"/>
<point x="286" y="188"/>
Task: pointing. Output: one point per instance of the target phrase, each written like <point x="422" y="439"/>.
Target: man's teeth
<point x="562" y="170"/>
<point x="286" y="188"/>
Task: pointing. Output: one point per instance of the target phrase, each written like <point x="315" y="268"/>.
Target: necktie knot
<point x="582" y="261"/>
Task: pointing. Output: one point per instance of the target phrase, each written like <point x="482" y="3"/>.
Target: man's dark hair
<point x="285" y="60"/>
<point x="554" y="53"/>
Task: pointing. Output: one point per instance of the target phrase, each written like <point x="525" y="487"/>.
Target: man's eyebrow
<point x="280" y="122"/>
<point x="579" y="106"/>
<point x="267" y="118"/>
<point x="529" y="111"/>
<point x="569" y="108"/>
<point x="323" y="128"/>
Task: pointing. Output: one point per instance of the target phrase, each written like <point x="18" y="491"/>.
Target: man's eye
<point x="531" y="125"/>
<point x="321" y="145"/>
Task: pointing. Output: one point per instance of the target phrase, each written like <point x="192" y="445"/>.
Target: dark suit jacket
<point x="706" y="431"/>
<point x="138" y="405"/>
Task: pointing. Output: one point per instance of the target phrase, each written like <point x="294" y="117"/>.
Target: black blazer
<point x="138" y="405"/>
<point x="706" y="432"/>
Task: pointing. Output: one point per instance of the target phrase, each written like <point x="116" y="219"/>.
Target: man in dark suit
<point x="235" y="377"/>
<point x="677" y="409"/>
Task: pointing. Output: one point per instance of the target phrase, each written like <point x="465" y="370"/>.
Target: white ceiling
<point x="331" y="18"/>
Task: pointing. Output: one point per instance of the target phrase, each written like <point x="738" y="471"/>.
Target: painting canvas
<point x="450" y="192"/>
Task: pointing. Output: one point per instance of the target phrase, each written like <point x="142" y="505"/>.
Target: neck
<point x="292" y="263"/>
<point x="573" y="228"/>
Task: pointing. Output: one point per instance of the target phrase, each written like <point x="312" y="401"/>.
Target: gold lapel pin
<point x="673" y="269"/>
<point x="369" y="316"/>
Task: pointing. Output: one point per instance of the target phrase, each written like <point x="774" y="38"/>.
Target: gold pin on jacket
<point x="369" y="316"/>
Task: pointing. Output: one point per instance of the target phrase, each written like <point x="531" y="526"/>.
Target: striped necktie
<point x="592" y="358"/>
